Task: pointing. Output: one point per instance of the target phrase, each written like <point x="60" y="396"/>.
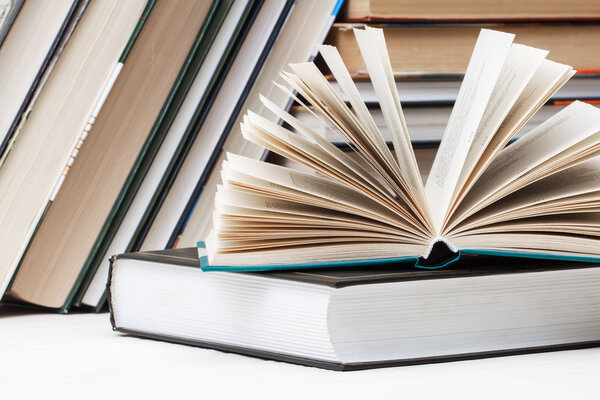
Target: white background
<point x="47" y="356"/>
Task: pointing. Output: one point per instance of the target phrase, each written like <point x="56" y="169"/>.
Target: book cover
<point x="471" y="268"/>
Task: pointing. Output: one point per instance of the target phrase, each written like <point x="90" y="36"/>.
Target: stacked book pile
<point x="431" y="43"/>
<point x="436" y="197"/>
<point x="113" y="114"/>
<point x="354" y="262"/>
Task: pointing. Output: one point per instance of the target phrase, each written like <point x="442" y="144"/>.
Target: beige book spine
<point x="85" y="130"/>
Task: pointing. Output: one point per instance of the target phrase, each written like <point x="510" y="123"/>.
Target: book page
<point x="571" y="126"/>
<point x="291" y="152"/>
<point x="537" y="243"/>
<point x="568" y="184"/>
<point x="587" y="202"/>
<point x="308" y="251"/>
<point x="276" y="138"/>
<point x="373" y="48"/>
<point x="286" y="143"/>
<point x="343" y="78"/>
<point x="519" y="67"/>
<point x="267" y="211"/>
<point x="362" y="143"/>
<point x="321" y="188"/>
<point x="365" y="171"/>
<point x="547" y="79"/>
<point x="335" y="111"/>
<point x="480" y="79"/>
<point x="575" y="223"/>
<point x="311" y="84"/>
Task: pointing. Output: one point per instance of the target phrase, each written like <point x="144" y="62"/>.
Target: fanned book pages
<point x="537" y="197"/>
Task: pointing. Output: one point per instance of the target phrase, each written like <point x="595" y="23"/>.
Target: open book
<point x="536" y="197"/>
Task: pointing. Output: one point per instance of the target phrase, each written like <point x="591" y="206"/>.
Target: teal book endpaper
<point x="416" y="261"/>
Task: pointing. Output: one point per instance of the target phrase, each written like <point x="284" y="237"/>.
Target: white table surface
<point x="47" y="356"/>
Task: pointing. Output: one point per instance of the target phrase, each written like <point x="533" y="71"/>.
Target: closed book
<point x="363" y="317"/>
<point x="446" y="48"/>
<point x="469" y="10"/>
<point x="208" y="125"/>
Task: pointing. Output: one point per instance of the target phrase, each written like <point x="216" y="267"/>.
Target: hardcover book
<point x="470" y="10"/>
<point x="426" y="49"/>
<point x="537" y="197"/>
<point x="363" y="317"/>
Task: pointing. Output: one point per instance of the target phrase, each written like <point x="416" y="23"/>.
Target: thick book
<point x="445" y="48"/>
<point x="536" y="197"/>
<point x="363" y="317"/>
<point x="470" y="10"/>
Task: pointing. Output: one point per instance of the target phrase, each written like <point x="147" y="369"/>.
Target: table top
<point x="79" y="356"/>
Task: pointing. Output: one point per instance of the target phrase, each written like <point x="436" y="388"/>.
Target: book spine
<point x="332" y="17"/>
<point x="106" y="88"/>
<point x="250" y="11"/>
<point x="88" y="126"/>
<point x="186" y="213"/>
<point x="63" y="37"/>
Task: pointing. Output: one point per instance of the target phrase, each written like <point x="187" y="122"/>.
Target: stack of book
<point x="120" y="119"/>
<point x="430" y="43"/>
<point x="107" y="108"/>
<point x="354" y="262"/>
